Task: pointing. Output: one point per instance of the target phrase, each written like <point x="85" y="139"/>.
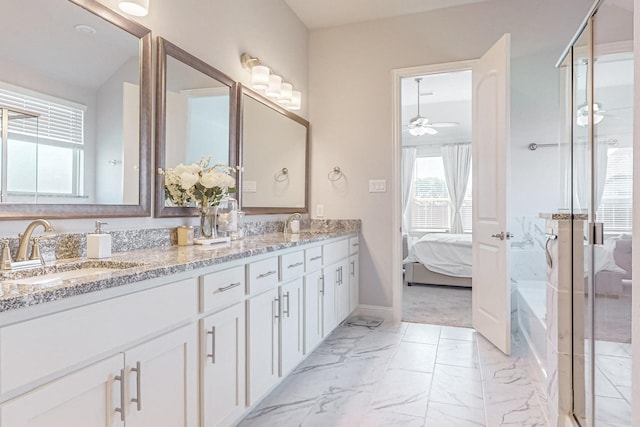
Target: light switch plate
<point x="319" y="211"/>
<point x="377" y="186"/>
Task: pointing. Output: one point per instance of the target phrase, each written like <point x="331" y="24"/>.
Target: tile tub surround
<point x="156" y="262"/>
<point x="404" y="374"/>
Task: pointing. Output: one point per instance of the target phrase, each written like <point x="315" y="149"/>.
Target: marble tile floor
<point x="406" y="374"/>
<point x="612" y="384"/>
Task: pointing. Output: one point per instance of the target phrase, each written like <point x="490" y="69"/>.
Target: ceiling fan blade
<point x="430" y="130"/>
<point x="444" y="124"/>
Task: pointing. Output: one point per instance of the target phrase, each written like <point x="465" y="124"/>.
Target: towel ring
<point x="334" y="174"/>
<point x="282" y="175"/>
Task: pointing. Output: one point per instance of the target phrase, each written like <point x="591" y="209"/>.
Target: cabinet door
<point x="330" y="318"/>
<point x="89" y="397"/>
<point x="342" y="290"/>
<point x="163" y="381"/>
<point x="354" y="282"/>
<point x="223" y="367"/>
<point x="263" y="313"/>
<point x="313" y="310"/>
<point x="291" y="326"/>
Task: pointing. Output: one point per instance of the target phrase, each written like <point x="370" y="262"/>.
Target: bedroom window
<point x="430" y="207"/>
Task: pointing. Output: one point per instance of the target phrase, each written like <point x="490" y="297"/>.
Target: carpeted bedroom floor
<point x="437" y="305"/>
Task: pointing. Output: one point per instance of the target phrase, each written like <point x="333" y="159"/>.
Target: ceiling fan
<point x="419" y="125"/>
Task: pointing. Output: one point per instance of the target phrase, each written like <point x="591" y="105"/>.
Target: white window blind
<point x="615" y="209"/>
<point x="56" y="122"/>
<point x="430" y="206"/>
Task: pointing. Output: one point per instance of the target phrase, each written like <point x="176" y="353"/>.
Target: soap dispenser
<point x="99" y="243"/>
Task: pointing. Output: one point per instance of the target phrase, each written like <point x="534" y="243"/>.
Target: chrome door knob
<point x="502" y="235"/>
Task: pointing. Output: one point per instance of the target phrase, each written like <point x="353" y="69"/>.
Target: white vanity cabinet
<point x="149" y="385"/>
<point x="263" y="338"/>
<point x="313" y="310"/>
<point x="90" y="396"/>
<point x="354" y="273"/>
<point x="222" y="347"/>
<point x="223" y="366"/>
<point x="291" y="326"/>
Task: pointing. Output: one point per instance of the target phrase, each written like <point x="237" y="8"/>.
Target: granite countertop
<point x="134" y="266"/>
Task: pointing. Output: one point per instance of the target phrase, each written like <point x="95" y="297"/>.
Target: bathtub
<point x="531" y="300"/>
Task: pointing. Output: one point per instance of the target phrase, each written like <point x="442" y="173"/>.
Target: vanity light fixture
<point x="134" y="7"/>
<point x="271" y="84"/>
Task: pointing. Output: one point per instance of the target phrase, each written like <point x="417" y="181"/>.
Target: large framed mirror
<point x="195" y="117"/>
<point x="274" y="147"/>
<point x="75" y="97"/>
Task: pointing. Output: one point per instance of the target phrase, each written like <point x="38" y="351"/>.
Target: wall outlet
<point x="319" y="211"/>
<point x="377" y="186"/>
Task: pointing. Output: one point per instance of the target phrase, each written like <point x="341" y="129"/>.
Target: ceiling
<point x="445" y="97"/>
<point x="331" y="13"/>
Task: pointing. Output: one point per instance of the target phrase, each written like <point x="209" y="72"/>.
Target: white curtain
<point x="457" y="164"/>
<point x="408" y="173"/>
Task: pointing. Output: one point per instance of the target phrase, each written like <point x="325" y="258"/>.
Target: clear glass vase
<point x="227" y="216"/>
<point x="208" y="221"/>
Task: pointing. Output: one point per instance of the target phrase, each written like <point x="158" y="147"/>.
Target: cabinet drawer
<point x="221" y="289"/>
<point x="40" y="347"/>
<point x="313" y="258"/>
<point x="262" y="275"/>
<point x="291" y="266"/>
<point x="335" y="251"/>
<point x="354" y="243"/>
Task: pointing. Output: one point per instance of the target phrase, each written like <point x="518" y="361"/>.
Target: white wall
<point x="351" y="112"/>
<point x="217" y="32"/>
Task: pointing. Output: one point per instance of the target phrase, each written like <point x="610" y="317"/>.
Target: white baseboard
<point x="385" y="313"/>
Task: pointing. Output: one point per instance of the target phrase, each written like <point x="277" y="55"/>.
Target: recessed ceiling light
<point x="134" y="7"/>
<point x="85" y="29"/>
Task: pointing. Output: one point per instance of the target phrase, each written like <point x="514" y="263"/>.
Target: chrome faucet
<point x="287" y="224"/>
<point x="26" y="236"/>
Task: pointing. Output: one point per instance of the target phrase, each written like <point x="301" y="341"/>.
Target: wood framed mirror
<point x="196" y="116"/>
<point x="274" y="152"/>
<point x="75" y="102"/>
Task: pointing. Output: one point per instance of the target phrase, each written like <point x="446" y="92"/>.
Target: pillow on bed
<point x="603" y="257"/>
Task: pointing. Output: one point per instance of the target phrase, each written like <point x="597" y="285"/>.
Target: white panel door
<point x="291" y="326"/>
<point x="223" y="367"/>
<point x="330" y="316"/>
<point x="263" y="313"/>
<point x="163" y="381"/>
<point x="313" y="310"/>
<point x="491" y="284"/>
<point x="88" y="397"/>
<point x="354" y="282"/>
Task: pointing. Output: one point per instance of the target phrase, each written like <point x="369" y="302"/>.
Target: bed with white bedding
<point x="439" y="259"/>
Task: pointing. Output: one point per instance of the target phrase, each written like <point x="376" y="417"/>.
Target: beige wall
<point x="350" y="90"/>
<point x="217" y="32"/>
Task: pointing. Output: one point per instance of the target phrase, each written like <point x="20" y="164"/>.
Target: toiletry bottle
<point x="98" y="243"/>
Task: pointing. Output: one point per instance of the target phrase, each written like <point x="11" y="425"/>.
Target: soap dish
<point x="211" y="241"/>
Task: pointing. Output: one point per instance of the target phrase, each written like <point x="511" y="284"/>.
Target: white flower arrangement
<point x="198" y="183"/>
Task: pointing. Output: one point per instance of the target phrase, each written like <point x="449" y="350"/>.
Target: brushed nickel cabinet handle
<point x="353" y="268"/>
<point x="355" y="244"/>
<point x="267" y="274"/>
<point x="138" y="399"/>
<point x="276" y="311"/>
<point x="297" y="264"/>
<point x="315" y="258"/>
<point x="287" y="310"/>
<point x="120" y="378"/>
<point x="212" y="332"/>
<point x="321" y="280"/>
<point x="231" y="286"/>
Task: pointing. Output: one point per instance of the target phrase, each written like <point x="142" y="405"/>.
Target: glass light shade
<point x="296" y="100"/>
<point x="418" y="131"/>
<point x="260" y="77"/>
<point x="285" y="94"/>
<point x="275" y="84"/>
<point x="134" y="7"/>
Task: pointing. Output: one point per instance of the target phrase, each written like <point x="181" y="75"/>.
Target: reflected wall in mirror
<point x="74" y="99"/>
<point x="275" y="152"/>
<point x="196" y="116"/>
